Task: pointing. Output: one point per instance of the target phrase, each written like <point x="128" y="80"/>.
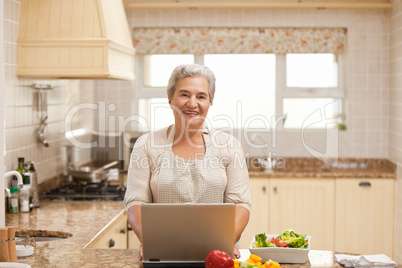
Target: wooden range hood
<point x="74" y="39"/>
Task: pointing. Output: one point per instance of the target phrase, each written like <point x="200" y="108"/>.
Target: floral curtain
<point x="220" y="40"/>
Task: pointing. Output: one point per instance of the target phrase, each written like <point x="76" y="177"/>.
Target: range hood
<point x="74" y="39"/>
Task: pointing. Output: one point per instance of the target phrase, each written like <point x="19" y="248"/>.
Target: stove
<point x="104" y="191"/>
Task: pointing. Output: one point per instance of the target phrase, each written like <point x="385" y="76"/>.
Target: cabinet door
<point x="364" y="216"/>
<point x="306" y="206"/>
<point x="258" y="222"/>
<point x="113" y="236"/>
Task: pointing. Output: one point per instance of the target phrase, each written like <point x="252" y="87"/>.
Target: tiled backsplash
<point x="395" y="117"/>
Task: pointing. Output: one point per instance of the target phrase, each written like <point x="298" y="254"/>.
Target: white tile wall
<point x="366" y="61"/>
<point x="21" y="110"/>
<point x="395" y="115"/>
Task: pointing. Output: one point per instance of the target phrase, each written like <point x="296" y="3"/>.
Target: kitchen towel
<point x="379" y="260"/>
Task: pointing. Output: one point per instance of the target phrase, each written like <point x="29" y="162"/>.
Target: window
<point x="311" y="70"/>
<point x="258" y="91"/>
<point x="245" y="90"/>
<point x="312" y="86"/>
<point x="159" y="67"/>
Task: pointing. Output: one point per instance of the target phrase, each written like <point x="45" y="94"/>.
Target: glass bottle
<point x="24" y="173"/>
<point x="24" y="198"/>
<point x="13" y="200"/>
<point x="34" y="185"/>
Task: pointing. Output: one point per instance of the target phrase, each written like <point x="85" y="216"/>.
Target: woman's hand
<point x="140" y="255"/>
<point x="236" y="252"/>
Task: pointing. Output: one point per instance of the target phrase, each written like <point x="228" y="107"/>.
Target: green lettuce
<point x="261" y="241"/>
<point x="295" y="240"/>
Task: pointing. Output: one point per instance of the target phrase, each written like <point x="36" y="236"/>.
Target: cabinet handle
<point x="264" y="188"/>
<point x="111" y="243"/>
<point x="123" y="231"/>
<point x="365" y="184"/>
<point x="275" y="188"/>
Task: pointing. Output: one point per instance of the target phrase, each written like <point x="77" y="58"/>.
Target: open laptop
<point x="181" y="235"/>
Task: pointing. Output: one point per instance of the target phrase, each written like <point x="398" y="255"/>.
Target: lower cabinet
<point x="305" y="205"/>
<point x="113" y="235"/>
<point x="116" y="235"/>
<point x="365" y="216"/>
<point x="341" y="214"/>
<point x="259" y="215"/>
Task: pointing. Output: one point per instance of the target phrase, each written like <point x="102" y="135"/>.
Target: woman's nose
<point x="192" y="102"/>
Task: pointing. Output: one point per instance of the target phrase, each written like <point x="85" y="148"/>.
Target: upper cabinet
<point x="74" y="39"/>
<point x="287" y="4"/>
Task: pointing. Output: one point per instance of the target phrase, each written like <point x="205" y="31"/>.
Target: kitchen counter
<point x="324" y="168"/>
<point x="84" y="219"/>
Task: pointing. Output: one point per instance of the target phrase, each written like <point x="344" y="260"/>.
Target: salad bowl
<point x="281" y="254"/>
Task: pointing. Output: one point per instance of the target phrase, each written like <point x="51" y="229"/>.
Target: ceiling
<point x="270" y="4"/>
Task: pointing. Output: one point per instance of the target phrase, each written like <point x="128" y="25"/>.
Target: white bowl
<point x="281" y="255"/>
<point x="24" y="251"/>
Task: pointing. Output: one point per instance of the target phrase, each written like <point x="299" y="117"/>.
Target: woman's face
<point x="190" y="101"/>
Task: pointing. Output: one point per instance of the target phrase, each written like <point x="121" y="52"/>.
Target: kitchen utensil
<point x="92" y="174"/>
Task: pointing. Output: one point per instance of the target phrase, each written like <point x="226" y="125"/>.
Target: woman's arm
<point x="134" y="218"/>
<point x="241" y="220"/>
<point x="138" y="187"/>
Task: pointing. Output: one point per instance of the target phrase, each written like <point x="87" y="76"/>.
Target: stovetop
<point x="87" y="191"/>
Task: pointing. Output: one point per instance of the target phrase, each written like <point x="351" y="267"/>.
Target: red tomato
<point x="218" y="258"/>
<point x="281" y="243"/>
<point x="272" y="240"/>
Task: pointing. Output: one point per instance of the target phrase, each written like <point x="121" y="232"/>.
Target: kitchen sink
<point x="25" y="236"/>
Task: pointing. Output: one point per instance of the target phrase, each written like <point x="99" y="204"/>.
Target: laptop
<point x="182" y="235"/>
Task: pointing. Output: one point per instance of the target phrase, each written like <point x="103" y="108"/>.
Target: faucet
<point x="2" y="205"/>
<point x="268" y="161"/>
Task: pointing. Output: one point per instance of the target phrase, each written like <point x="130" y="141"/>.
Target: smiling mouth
<point x="190" y="113"/>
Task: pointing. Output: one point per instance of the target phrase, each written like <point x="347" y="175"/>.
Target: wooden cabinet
<point x="116" y="235"/>
<point x="305" y="205"/>
<point x="341" y="214"/>
<point x="365" y="216"/>
<point x="258" y="223"/>
<point x="113" y="235"/>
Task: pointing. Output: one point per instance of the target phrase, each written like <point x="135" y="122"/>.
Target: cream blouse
<point x="147" y="158"/>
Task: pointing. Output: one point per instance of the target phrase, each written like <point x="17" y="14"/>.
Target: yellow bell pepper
<point x="236" y="263"/>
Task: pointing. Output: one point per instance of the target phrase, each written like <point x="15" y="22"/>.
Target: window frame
<point x="281" y="90"/>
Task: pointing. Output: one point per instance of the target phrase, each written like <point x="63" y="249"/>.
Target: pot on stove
<point x="92" y="174"/>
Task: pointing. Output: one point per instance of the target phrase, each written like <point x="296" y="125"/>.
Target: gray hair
<point x="187" y="70"/>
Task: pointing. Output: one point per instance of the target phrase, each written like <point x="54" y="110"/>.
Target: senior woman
<point x="187" y="162"/>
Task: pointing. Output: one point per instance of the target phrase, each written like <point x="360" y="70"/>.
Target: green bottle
<point x="24" y="173"/>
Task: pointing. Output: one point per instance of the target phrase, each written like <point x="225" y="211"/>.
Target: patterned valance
<point x="220" y="40"/>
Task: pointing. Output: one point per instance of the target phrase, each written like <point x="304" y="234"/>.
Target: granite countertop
<point x="84" y="219"/>
<point x="323" y="168"/>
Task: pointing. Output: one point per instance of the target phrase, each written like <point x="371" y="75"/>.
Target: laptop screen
<point x="174" y="233"/>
